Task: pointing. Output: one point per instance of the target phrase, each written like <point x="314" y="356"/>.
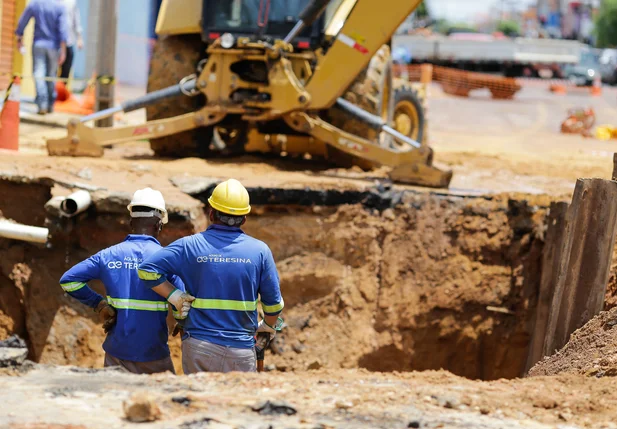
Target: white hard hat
<point x="149" y="197"/>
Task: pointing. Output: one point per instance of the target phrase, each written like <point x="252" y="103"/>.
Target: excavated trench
<point x="382" y="280"/>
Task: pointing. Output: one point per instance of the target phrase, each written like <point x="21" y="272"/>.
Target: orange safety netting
<point x="460" y="82"/>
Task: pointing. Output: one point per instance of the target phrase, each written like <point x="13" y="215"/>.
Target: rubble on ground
<point x="74" y="397"/>
<point x="13" y="351"/>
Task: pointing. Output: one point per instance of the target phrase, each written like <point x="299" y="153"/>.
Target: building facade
<point x="135" y="30"/>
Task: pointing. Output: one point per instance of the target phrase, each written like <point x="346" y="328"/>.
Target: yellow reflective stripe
<point x="147" y="275"/>
<point x="137" y="304"/>
<point x="72" y="286"/>
<point x="273" y="308"/>
<point x="224" y="304"/>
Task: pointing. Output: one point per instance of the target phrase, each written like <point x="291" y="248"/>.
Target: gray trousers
<point x="203" y="356"/>
<point x="151" y="367"/>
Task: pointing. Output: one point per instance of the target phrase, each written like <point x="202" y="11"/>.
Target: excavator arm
<point x="254" y="79"/>
<point x="365" y="25"/>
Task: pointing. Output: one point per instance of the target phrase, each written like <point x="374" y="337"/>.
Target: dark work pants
<point x="65" y="69"/>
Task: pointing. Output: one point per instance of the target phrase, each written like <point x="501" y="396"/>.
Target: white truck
<point x="485" y="53"/>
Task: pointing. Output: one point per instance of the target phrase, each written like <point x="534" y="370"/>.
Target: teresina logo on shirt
<point x="130" y="262"/>
<point x="221" y="259"/>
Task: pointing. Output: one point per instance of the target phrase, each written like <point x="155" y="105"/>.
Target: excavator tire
<point x="371" y="91"/>
<point x="408" y="117"/>
<point x="173" y="58"/>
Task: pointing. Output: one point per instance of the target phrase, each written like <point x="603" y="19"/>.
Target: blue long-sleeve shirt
<point x="140" y="333"/>
<point x="225" y="270"/>
<point x="51" y="23"/>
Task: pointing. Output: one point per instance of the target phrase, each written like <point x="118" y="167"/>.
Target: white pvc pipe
<point x="17" y="231"/>
<point x="75" y="203"/>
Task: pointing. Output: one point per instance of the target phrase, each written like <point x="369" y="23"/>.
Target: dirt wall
<point x="57" y="328"/>
<point x="407" y="289"/>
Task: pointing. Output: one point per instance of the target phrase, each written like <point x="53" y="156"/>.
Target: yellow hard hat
<point x="230" y="197"/>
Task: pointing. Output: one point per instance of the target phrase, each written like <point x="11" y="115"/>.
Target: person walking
<point x="74" y="36"/>
<point x="48" y="49"/>
<point x="134" y="317"/>
<point x="224" y="271"/>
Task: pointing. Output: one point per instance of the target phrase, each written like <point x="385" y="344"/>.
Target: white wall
<point x="132" y="53"/>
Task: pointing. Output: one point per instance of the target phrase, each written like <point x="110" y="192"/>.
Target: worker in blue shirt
<point x="48" y="48"/>
<point x="134" y="317"/>
<point x="225" y="272"/>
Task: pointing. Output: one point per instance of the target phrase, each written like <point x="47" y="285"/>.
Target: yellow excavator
<point x="293" y="77"/>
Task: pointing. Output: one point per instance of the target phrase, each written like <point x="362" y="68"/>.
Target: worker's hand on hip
<point x="107" y="314"/>
<point x="182" y="301"/>
<point x="264" y="327"/>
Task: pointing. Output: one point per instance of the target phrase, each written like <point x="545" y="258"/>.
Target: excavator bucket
<point x="72" y="144"/>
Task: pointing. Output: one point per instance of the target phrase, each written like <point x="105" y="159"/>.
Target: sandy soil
<point x="315" y="399"/>
<point x="393" y="290"/>
<point x="403" y="289"/>
<point x="492" y="146"/>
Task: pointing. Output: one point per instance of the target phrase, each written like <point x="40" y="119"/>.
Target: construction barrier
<point x="596" y="88"/>
<point x="579" y="121"/>
<point x="9" y="117"/>
<point x="460" y="82"/>
<point x="66" y="102"/>
<point x="563" y="87"/>
<point x="102" y="79"/>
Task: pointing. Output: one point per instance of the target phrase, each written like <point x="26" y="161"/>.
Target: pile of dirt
<point x="592" y="350"/>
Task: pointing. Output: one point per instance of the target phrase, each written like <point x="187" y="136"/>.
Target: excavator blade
<point x="68" y="147"/>
<point x="421" y="175"/>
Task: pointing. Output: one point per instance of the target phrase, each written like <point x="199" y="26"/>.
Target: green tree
<point x="446" y="27"/>
<point x="422" y="11"/>
<point x="509" y="28"/>
<point x="606" y="24"/>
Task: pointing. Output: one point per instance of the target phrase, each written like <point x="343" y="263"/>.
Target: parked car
<point x="587" y="69"/>
<point x="608" y="66"/>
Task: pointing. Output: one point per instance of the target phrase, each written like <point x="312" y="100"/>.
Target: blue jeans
<point x="44" y="64"/>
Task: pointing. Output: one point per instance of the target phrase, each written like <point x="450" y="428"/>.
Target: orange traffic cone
<point x="596" y="89"/>
<point x="558" y="88"/>
<point x="67" y="103"/>
<point x="62" y="92"/>
<point x="9" y="117"/>
<point x="88" y="98"/>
